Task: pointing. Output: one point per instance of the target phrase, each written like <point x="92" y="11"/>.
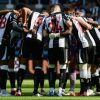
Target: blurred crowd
<point x="89" y="7"/>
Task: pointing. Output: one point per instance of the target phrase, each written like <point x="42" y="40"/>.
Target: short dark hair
<point x="88" y="11"/>
<point x="19" y="6"/>
<point x="53" y="6"/>
<point x="67" y="7"/>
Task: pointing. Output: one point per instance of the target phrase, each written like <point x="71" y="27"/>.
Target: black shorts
<point x="15" y="47"/>
<point x="57" y="54"/>
<point x="12" y="52"/>
<point x="18" y="48"/>
<point x="32" y="49"/>
<point x="97" y="56"/>
<point x="4" y="52"/>
<point x="87" y="55"/>
<point x="45" y="54"/>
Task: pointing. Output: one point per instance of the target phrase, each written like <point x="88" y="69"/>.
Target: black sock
<point x="36" y="81"/>
<point x="51" y="77"/>
<point x="55" y="77"/>
<point x="93" y="82"/>
<point x="12" y="77"/>
<point x="62" y="77"/>
<point x="97" y="84"/>
<point x="83" y="83"/>
<point x="42" y="80"/>
<point x="86" y="81"/>
<point x="64" y="85"/>
<point x="20" y="76"/>
<point x="3" y="79"/>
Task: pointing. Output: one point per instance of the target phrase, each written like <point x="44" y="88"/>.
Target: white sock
<point x="60" y="89"/>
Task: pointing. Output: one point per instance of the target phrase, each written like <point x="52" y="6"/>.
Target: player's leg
<point x="12" y="76"/>
<point x="51" y="71"/>
<point x="45" y="70"/>
<point x="83" y="59"/>
<point x="65" y="83"/>
<point x="63" y="59"/>
<point x="3" y="70"/>
<point x="95" y="79"/>
<point x="91" y="58"/>
<point x="11" y="71"/>
<point x="72" y="73"/>
<point x="22" y="51"/>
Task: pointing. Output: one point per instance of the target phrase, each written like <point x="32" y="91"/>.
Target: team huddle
<point x="51" y="43"/>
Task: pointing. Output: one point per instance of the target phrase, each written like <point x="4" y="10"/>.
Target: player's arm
<point x="24" y="16"/>
<point x="25" y="12"/>
<point x="83" y="23"/>
<point x="4" y="11"/>
<point x="98" y="27"/>
<point x="15" y="26"/>
<point x="92" y="22"/>
<point x="68" y="28"/>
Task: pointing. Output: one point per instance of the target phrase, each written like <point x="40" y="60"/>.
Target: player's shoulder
<point x="12" y="17"/>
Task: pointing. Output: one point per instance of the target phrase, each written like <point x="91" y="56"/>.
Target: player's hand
<point x="33" y="31"/>
<point x="25" y="25"/>
<point x="98" y="27"/>
<point x="16" y="12"/>
<point x="26" y="30"/>
<point x="54" y="35"/>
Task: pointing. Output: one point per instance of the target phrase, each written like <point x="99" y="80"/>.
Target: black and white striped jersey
<point x="36" y="21"/>
<point x="85" y="38"/>
<point x="56" y="23"/>
<point x="89" y="36"/>
<point x="96" y="35"/>
<point x="3" y="25"/>
<point x="7" y="23"/>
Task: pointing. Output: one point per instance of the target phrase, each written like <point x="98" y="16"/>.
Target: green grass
<point x="27" y="89"/>
<point x="29" y="84"/>
<point x="49" y="98"/>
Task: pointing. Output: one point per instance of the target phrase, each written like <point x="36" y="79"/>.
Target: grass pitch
<point x="27" y="89"/>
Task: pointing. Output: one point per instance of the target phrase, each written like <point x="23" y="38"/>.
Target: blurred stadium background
<point x="84" y="5"/>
